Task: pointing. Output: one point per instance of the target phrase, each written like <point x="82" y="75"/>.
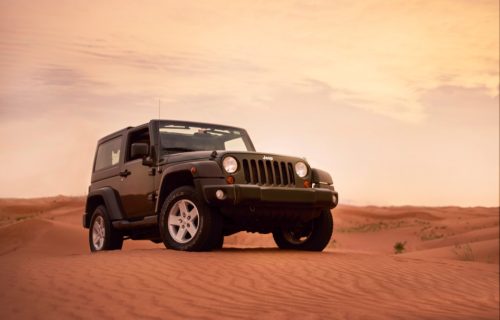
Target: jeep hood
<point x="205" y="155"/>
<point x="187" y="156"/>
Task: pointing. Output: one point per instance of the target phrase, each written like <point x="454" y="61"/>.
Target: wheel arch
<point x="107" y="197"/>
<point x="171" y="181"/>
<point x="321" y="177"/>
<point x="185" y="174"/>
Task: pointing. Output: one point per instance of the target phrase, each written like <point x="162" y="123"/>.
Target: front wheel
<point x="310" y="236"/>
<point x="187" y="223"/>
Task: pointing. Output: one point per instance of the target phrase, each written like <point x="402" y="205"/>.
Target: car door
<point x="137" y="180"/>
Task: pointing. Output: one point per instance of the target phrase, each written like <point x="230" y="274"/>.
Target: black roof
<point x="179" y="122"/>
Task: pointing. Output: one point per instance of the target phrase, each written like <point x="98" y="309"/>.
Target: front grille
<point x="268" y="172"/>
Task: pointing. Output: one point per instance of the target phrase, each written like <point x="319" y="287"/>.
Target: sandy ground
<point x="447" y="270"/>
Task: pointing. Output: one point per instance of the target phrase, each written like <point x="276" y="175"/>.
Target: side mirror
<point x="139" y="150"/>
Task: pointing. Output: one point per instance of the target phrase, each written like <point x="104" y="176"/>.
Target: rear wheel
<point x="187" y="223"/>
<point x="102" y="235"/>
<point x="310" y="236"/>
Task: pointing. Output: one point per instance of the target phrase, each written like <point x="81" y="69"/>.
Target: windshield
<point x="180" y="137"/>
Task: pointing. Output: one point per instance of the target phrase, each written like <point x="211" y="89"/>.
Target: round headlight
<point x="230" y="164"/>
<point x="301" y="169"/>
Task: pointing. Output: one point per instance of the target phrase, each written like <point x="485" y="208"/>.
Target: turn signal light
<point x="193" y="170"/>
<point x="307" y="184"/>
<point x="230" y="180"/>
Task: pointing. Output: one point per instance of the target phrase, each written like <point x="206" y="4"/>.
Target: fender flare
<point x="321" y="177"/>
<point x="203" y="169"/>
<point x="111" y="200"/>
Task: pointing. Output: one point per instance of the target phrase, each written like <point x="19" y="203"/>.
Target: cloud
<point x="190" y="63"/>
<point x="472" y="107"/>
<point x="379" y="56"/>
<point x="54" y="75"/>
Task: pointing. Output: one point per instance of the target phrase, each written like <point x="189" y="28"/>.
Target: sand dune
<point x="46" y="270"/>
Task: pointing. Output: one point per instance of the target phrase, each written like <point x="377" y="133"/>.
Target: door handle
<point x="125" y="173"/>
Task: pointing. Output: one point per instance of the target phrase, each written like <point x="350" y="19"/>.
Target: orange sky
<point x="399" y="100"/>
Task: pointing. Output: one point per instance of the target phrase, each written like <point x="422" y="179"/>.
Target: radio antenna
<point x="159" y="137"/>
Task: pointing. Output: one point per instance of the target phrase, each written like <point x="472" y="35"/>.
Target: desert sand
<point x="448" y="268"/>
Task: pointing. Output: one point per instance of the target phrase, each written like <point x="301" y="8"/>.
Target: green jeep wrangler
<point x="189" y="184"/>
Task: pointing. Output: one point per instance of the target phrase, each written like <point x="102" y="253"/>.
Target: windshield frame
<point x="162" y="123"/>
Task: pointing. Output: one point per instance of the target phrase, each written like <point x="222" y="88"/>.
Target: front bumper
<point x="254" y="195"/>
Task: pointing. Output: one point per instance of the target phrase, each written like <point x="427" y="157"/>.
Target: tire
<point x="187" y="223"/>
<point x="102" y="235"/>
<point x="219" y="243"/>
<point x="312" y="236"/>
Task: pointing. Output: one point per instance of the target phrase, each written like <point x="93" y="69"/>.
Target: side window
<point x="139" y="136"/>
<point x="108" y="154"/>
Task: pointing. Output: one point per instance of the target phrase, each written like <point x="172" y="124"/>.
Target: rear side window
<point x="108" y="154"/>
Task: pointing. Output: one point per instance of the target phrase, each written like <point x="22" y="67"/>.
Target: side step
<point x="149" y="221"/>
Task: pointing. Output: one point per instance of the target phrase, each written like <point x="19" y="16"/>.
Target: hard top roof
<point x="175" y="122"/>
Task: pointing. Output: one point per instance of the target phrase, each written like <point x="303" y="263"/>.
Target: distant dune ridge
<point x="447" y="268"/>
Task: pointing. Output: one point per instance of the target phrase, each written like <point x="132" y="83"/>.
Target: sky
<point x="398" y="100"/>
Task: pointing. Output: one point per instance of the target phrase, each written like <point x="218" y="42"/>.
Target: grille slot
<point x="284" y="173"/>
<point x="262" y="173"/>
<point x="268" y="172"/>
<point x="277" y="172"/>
